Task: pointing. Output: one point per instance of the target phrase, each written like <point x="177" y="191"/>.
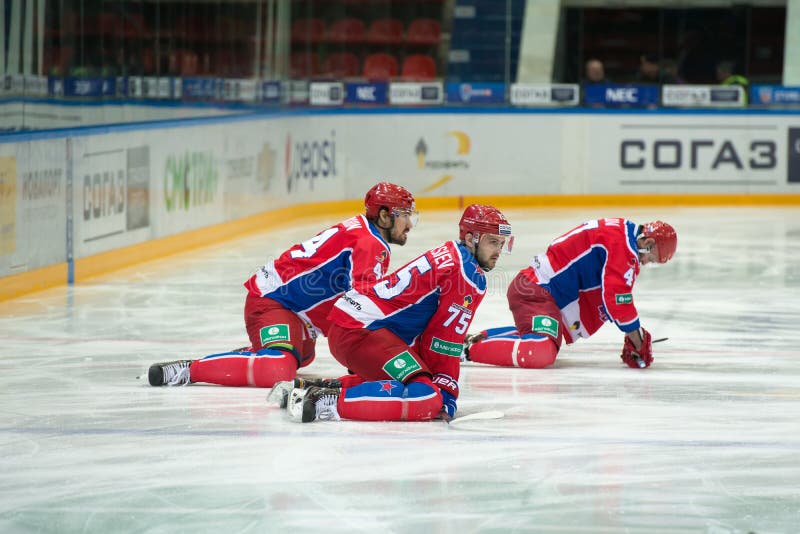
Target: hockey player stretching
<point x="402" y="336"/>
<point x="289" y="298"/>
<point x="584" y="279"/>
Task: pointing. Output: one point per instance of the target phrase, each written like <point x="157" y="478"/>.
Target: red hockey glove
<point x="638" y="358"/>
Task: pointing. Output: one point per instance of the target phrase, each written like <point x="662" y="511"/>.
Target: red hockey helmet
<point x="479" y="219"/>
<point x="665" y="237"/>
<point x="395" y="198"/>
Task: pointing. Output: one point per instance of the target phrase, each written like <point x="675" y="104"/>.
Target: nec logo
<point x="623" y="95"/>
<point x="366" y="93"/>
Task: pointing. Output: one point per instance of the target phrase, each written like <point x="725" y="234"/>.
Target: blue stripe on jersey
<point x="584" y="273"/>
<point x="409" y="322"/>
<point x="325" y="282"/>
<point x="377" y="233"/>
<point x="628" y="327"/>
<point x="630" y="229"/>
<point x="469" y="267"/>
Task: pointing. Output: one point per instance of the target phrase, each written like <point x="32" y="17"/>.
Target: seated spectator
<point x="649" y="70"/>
<point x="594" y="72"/>
<point x="669" y="72"/>
<point x="726" y="76"/>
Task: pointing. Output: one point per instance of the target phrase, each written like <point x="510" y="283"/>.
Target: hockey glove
<point x="449" y="390"/>
<point x="638" y="358"/>
<point x="449" y="406"/>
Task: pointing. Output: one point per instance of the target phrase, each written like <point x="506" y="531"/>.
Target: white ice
<point x="706" y="440"/>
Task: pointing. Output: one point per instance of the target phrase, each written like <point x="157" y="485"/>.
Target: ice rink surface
<point x="707" y="440"/>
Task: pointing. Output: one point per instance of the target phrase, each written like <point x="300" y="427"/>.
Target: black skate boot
<point x="169" y="373"/>
<point x="279" y="394"/>
<point x="314" y="404"/>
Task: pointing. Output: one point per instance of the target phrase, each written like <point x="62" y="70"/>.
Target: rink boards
<point x="81" y="202"/>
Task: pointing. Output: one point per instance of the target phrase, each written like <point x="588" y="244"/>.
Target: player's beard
<point x="488" y="264"/>
<point x="398" y="240"/>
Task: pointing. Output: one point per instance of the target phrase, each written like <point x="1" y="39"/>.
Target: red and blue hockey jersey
<point x="429" y="303"/>
<point x="590" y="271"/>
<point x="309" y="277"/>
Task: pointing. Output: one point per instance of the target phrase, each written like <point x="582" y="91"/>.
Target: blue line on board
<point x="258" y="113"/>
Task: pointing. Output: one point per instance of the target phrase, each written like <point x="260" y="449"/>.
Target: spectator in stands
<point x="669" y="72"/>
<point x="649" y="69"/>
<point x="594" y="72"/>
<point x="726" y="75"/>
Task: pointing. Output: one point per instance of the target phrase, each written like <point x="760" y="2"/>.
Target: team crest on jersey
<point x="382" y="256"/>
<point x="467" y="301"/>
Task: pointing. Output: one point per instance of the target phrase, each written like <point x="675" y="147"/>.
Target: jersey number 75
<point x="404" y="275"/>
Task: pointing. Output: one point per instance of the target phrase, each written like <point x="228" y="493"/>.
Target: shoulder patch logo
<point x="624" y="298"/>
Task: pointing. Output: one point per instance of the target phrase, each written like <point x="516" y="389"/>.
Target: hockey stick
<point x="638" y="358"/>
<point x="478" y="416"/>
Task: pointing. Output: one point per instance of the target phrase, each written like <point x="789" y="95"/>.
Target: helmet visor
<point x="412" y="215"/>
<point x="502" y="243"/>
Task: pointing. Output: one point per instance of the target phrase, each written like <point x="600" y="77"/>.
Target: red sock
<point x="248" y="369"/>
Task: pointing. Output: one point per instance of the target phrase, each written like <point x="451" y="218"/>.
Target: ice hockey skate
<point x="314" y="404"/>
<point x="169" y="373"/>
<point x="279" y="394"/>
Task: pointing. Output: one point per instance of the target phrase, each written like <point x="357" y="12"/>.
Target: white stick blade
<point x="479" y="416"/>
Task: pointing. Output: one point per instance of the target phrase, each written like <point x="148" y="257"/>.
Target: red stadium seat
<point x="341" y="65"/>
<point x="134" y="25"/>
<point x="419" y="67"/>
<point x="348" y="30"/>
<point x="424" y="32"/>
<point x="308" y="31"/>
<point x="147" y="60"/>
<point x="183" y="62"/>
<point x="380" y="67"/>
<point x="385" y="31"/>
<point x="107" y="24"/>
<point x="304" y="65"/>
<point x="57" y="60"/>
